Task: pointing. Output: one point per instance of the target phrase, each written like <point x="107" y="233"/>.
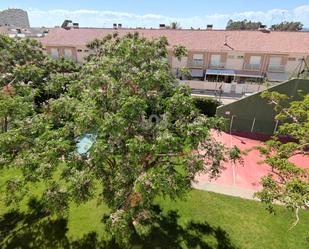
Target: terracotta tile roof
<point x="245" y="41"/>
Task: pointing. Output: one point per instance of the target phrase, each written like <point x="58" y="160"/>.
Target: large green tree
<point x="125" y="129"/>
<point x="28" y="78"/>
<point x="287" y="26"/>
<point x="287" y="183"/>
<point x="242" y="25"/>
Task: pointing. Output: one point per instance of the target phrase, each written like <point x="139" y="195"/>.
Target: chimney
<point x="75" y="25"/>
<point x="119" y="25"/>
<point x="115" y="25"/>
<point x="264" y="29"/>
<point x="66" y="24"/>
<point x="209" y="27"/>
<point x="162" y="26"/>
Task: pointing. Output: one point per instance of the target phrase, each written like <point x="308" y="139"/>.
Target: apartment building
<point x="213" y="55"/>
<point x="14" y="17"/>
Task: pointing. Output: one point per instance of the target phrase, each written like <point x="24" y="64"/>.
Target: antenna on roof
<point x="226" y="44"/>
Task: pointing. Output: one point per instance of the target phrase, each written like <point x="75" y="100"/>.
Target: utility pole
<point x="300" y="67"/>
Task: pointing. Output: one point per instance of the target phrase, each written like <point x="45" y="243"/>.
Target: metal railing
<point x="254" y="67"/>
<point x="216" y="65"/>
<point x="276" y="68"/>
<point x="197" y="63"/>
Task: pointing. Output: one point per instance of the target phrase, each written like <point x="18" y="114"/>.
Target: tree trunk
<point x="5" y="124"/>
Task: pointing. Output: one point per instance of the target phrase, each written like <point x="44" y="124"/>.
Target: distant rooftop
<point x="203" y="40"/>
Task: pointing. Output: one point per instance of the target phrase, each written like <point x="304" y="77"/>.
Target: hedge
<point x="206" y="105"/>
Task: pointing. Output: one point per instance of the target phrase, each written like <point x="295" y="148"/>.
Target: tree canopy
<point x="28" y="79"/>
<point x="287" y="26"/>
<point x="242" y="25"/>
<point x="143" y="136"/>
<point x="250" y="25"/>
<point x="287" y="183"/>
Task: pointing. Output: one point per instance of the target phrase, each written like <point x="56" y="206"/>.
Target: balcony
<point x="216" y="65"/>
<point x="197" y="63"/>
<point x="253" y="67"/>
<point x="276" y="68"/>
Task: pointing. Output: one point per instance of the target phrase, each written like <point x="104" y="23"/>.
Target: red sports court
<point x="237" y="179"/>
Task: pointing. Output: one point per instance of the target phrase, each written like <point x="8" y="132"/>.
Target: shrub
<point x="207" y="106"/>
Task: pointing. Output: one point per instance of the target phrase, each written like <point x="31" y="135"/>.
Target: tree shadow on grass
<point x="35" y="229"/>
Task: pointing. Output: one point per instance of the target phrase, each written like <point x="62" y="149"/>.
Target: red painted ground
<point x="249" y="174"/>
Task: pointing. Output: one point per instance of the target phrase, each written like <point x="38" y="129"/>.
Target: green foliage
<point x="28" y="78"/>
<point x="180" y="51"/>
<point x="249" y="25"/>
<point x="287" y="183"/>
<point x="242" y="25"/>
<point x="207" y="106"/>
<point x="287" y="26"/>
<point x="134" y="159"/>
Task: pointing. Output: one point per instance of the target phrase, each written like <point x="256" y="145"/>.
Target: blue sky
<point x="147" y="13"/>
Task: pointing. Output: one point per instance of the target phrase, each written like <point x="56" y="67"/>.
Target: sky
<point x="149" y="13"/>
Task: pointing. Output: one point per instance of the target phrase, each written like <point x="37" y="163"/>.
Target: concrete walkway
<point x="226" y="190"/>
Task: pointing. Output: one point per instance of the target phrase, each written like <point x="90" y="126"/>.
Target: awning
<point x="249" y="74"/>
<point x="224" y="72"/>
<point x="197" y="73"/>
<point x="278" y="76"/>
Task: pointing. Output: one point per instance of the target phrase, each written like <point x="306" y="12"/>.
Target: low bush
<point x="206" y="105"/>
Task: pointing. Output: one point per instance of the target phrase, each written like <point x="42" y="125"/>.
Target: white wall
<point x="292" y="66"/>
<point x="226" y="87"/>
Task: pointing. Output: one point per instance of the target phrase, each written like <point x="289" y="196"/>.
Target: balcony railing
<point x="197" y="63"/>
<point x="216" y="65"/>
<point x="254" y="67"/>
<point x="276" y="68"/>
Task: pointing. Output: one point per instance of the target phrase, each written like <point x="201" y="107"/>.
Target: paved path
<point x="225" y="97"/>
<point x="227" y="190"/>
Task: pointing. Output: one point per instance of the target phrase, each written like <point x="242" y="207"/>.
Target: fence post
<point x="252" y="126"/>
<point x="231" y="124"/>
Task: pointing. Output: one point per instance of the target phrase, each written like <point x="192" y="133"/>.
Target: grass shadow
<point x="36" y="229"/>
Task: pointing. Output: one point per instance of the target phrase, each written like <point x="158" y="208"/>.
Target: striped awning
<point x="224" y="72"/>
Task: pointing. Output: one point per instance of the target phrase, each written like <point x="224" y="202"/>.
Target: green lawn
<point x="203" y="220"/>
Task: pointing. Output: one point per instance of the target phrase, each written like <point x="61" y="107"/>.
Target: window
<point x="275" y="64"/>
<point x="215" y="60"/>
<point x="198" y="60"/>
<point x="54" y="52"/>
<point x="255" y="60"/>
<point x="231" y="57"/>
<point x="44" y="49"/>
<point x="254" y="63"/>
<point x="239" y="57"/>
<point x="86" y="50"/>
<point x="275" y="60"/>
<point x="79" y="50"/>
<point x="291" y="59"/>
<point x="68" y="53"/>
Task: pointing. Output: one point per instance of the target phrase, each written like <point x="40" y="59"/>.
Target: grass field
<point x="203" y="220"/>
